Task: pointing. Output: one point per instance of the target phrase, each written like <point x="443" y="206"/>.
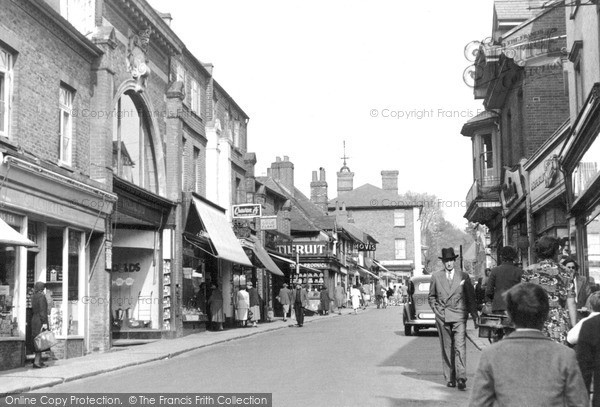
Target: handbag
<point x="44" y="341"/>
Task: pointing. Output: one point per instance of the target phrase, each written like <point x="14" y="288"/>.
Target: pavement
<point x="26" y="379"/>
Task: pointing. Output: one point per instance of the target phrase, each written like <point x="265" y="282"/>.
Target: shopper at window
<point x="215" y="302"/>
<point x="39" y="319"/>
<point x="557" y="281"/>
<point x="242" y="306"/>
<point x="254" y="304"/>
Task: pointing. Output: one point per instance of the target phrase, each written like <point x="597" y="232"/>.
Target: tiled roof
<point x="518" y="9"/>
<point x="369" y="195"/>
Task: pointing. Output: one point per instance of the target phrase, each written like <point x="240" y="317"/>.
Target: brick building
<point x="383" y="214"/>
<point x="519" y="78"/>
<point x="103" y="190"/>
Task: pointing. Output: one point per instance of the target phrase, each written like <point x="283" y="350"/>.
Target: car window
<point x="423" y="286"/>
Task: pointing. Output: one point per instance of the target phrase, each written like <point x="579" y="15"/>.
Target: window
<point x="133" y="148"/>
<point x="184" y="163"/>
<point x="400" y="249"/>
<point x="6" y="75"/>
<point x="65" y="125"/>
<point x="399" y="218"/>
<point x="195" y="165"/>
<point x="587" y="169"/>
<point x="487" y="158"/>
<point x="236" y="133"/>
<point x="196" y="98"/>
<point x="578" y="85"/>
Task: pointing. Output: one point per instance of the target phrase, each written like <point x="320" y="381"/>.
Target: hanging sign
<point x="246" y="211"/>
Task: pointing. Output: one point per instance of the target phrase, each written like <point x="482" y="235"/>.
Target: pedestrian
<point x="339" y="296"/>
<point x="300" y="302"/>
<point x="526" y="368"/>
<point x="452" y="299"/>
<point x="588" y="349"/>
<point x="355" y="296"/>
<point x="389" y="294"/>
<point x="254" y="304"/>
<point x="397" y="294"/>
<point x="378" y="294"/>
<point x="581" y="286"/>
<point x="404" y="289"/>
<point x="243" y="304"/>
<point x="325" y="300"/>
<point x="557" y="281"/>
<point x="501" y="279"/>
<point x="215" y="302"/>
<point x="285" y="300"/>
<point x="594" y="303"/>
<point x="39" y="318"/>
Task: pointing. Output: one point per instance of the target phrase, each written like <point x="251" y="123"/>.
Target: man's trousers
<point x="454" y="349"/>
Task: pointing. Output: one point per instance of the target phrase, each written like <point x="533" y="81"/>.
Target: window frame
<point x="398" y="251"/>
<point x="8" y="78"/>
<point x="399" y="221"/>
<point x="65" y="107"/>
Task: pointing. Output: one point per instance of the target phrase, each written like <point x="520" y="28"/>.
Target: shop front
<point x="141" y="263"/>
<point x="212" y="253"/>
<point x="580" y="163"/>
<point x="547" y="193"/>
<point x="64" y="222"/>
<point x="514" y="208"/>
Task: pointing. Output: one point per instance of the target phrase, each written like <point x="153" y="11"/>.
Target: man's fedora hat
<point x="448" y="254"/>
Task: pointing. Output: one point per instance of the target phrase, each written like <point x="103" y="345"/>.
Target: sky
<point x="385" y="76"/>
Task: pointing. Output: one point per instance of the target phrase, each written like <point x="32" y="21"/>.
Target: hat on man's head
<point x="448" y="254"/>
<point x="249" y="284"/>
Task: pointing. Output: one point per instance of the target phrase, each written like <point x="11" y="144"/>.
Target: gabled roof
<point x="370" y="196"/>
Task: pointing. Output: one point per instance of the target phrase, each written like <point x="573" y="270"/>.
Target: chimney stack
<point x="389" y="181"/>
<point x="318" y="190"/>
<point x="283" y="171"/>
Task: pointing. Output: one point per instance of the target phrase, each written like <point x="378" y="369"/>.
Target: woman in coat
<point x="215" y="302"/>
<point x="254" y="304"/>
<point x="325" y="300"/>
<point x="242" y="305"/>
<point x="39" y="319"/>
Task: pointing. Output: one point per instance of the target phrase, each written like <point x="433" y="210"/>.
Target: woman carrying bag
<point x="39" y="319"/>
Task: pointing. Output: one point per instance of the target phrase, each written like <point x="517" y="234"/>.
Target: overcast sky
<point x="311" y="74"/>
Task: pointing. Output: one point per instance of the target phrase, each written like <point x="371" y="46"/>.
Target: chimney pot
<point x="314" y="176"/>
<point x="278" y="159"/>
<point x="286" y="158"/>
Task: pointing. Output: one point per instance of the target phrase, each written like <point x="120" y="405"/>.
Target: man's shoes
<point x="450" y="384"/>
<point x="36" y="366"/>
<point x="462" y="385"/>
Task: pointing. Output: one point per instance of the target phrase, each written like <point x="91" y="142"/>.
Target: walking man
<point x="501" y="279"/>
<point x="300" y="302"/>
<point x="339" y="296"/>
<point x="284" y="299"/>
<point x="452" y="299"/>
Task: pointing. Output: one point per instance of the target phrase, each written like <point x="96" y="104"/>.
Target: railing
<point x="481" y="188"/>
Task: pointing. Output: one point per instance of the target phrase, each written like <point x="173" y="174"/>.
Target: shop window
<point x="8" y="273"/>
<point x="593" y="247"/>
<point x="587" y="169"/>
<point x="6" y="76"/>
<point x="400" y="249"/>
<point x="133" y="150"/>
<point x="64" y="265"/>
<point x="399" y="218"/>
<point x="65" y="104"/>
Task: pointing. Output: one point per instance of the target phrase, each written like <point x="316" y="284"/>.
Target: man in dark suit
<point x="300" y="302"/>
<point x="502" y="278"/>
<point x="580" y="284"/>
<point x="452" y="299"/>
<point x="588" y="350"/>
<point x="527" y="368"/>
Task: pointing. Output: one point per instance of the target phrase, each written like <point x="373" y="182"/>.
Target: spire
<point x="345" y="167"/>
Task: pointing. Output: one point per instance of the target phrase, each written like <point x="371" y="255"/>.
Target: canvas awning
<point x="221" y="235"/>
<point x="9" y="236"/>
<point x="264" y="258"/>
<point x="364" y="270"/>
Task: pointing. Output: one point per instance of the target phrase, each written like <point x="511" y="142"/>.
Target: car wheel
<point x="407" y="331"/>
<point x="417" y="329"/>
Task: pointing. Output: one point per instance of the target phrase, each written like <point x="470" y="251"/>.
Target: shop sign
<point x="268" y="223"/>
<point x="304" y="249"/>
<point x="396" y="262"/>
<point x="246" y="211"/>
<point x="108" y="255"/>
<point x="315" y="265"/>
<point x="365" y="247"/>
<point x="544" y="176"/>
<point x="126" y="267"/>
<point x="12" y="219"/>
<point x="512" y="188"/>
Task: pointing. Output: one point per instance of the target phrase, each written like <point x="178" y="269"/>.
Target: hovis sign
<point x="246" y="211"/>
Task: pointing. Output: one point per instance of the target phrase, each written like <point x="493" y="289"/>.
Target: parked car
<point x="417" y="313"/>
